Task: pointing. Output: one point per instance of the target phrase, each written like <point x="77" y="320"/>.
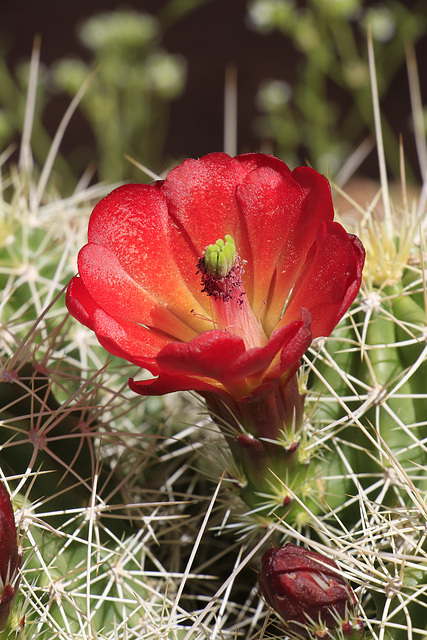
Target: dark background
<point x="210" y="37"/>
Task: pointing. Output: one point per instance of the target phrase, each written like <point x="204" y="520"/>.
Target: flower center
<point x="221" y="270"/>
<point x="220" y="257"/>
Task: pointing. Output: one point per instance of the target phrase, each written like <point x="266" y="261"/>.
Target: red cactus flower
<point x="147" y="290"/>
<point x="10" y="558"/>
<point x="308" y="591"/>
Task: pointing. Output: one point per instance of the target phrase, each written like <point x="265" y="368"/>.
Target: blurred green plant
<point x="327" y="109"/>
<point x="126" y="103"/>
<point x="132" y="80"/>
<point x="14" y="97"/>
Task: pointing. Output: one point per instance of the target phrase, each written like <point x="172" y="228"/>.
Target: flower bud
<point x="309" y="593"/>
<point x="10" y="558"/>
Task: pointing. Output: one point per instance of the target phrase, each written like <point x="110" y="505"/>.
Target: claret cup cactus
<point x="229" y="442"/>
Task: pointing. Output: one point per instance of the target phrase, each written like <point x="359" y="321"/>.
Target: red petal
<point x="115" y="291"/>
<point x="129" y="341"/>
<point x="316" y="209"/>
<point x="124" y="339"/>
<point x="283" y="213"/>
<point x="208" y="355"/>
<point x="298" y="345"/>
<point x="80" y="303"/>
<point x="292" y="341"/>
<point x="271" y="206"/>
<point x="133" y="223"/>
<point x="168" y="384"/>
<point x="330" y="279"/>
<point x="257" y="160"/>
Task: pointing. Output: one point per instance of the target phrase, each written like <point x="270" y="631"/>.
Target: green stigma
<point x="220" y="257"/>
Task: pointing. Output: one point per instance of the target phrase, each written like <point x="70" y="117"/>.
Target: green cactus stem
<point x="38" y="433"/>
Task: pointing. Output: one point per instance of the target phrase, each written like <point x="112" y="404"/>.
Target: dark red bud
<point x="7" y="595"/>
<point x="10" y="558"/>
<point x="353" y="629"/>
<point x="306" y="589"/>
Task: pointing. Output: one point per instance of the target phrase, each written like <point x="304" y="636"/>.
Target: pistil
<point x="221" y="270"/>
